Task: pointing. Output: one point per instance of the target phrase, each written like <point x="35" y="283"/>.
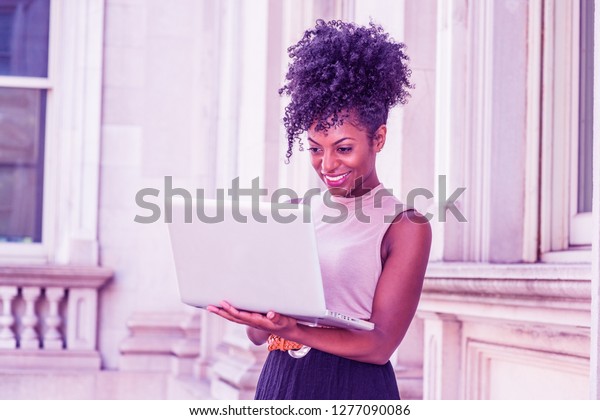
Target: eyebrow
<point x="336" y="142"/>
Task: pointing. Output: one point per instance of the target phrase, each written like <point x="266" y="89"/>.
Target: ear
<point x="379" y="138"/>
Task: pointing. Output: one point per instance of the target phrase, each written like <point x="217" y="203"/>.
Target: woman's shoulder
<point x="410" y="229"/>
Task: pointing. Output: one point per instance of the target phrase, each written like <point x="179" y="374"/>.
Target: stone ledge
<point x="521" y="271"/>
<point x="533" y="282"/>
<point x="55" y="275"/>
<point x="19" y="360"/>
<point x="540" y="294"/>
<point x="75" y="385"/>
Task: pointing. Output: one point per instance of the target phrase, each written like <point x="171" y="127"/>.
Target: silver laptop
<point x="266" y="262"/>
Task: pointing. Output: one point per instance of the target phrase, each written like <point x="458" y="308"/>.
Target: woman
<point x="342" y="80"/>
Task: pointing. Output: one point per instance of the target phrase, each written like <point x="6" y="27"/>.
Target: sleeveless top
<point x="349" y="233"/>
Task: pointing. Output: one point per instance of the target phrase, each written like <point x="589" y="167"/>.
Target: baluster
<point x="29" y="336"/>
<point x="52" y="338"/>
<point x="7" y="336"/>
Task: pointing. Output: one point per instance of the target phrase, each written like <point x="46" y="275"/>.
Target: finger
<point x="277" y="319"/>
<point x="274" y="317"/>
<point x="229" y="308"/>
<point x="250" y="317"/>
<point x="269" y="322"/>
<point x="223" y="314"/>
<point x="217" y="311"/>
<point x="213" y="309"/>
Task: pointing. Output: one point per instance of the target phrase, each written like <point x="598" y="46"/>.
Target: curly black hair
<point x="337" y="68"/>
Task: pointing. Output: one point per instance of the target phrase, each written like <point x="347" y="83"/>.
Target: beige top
<point x="349" y="233"/>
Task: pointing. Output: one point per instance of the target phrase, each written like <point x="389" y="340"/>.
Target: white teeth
<point x="335" y="178"/>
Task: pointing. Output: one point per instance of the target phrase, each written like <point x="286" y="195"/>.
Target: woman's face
<point x="344" y="158"/>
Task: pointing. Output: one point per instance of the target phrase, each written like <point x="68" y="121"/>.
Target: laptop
<point x="268" y="261"/>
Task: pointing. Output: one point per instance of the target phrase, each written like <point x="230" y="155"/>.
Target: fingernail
<point x="270" y="315"/>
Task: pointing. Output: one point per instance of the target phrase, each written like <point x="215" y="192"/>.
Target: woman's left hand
<point x="272" y="322"/>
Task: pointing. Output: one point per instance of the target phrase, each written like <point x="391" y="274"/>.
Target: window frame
<point x="72" y="138"/>
<point x="581" y="222"/>
<point x="564" y="234"/>
<point x="38" y="252"/>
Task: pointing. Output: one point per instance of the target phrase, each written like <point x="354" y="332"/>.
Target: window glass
<point x="24" y="26"/>
<point x="586" y="100"/>
<point x="22" y="126"/>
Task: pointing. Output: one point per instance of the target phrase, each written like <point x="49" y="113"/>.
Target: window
<point x="24" y="40"/>
<point x="582" y="197"/>
<point x="567" y="98"/>
<point x="50" y="119"/>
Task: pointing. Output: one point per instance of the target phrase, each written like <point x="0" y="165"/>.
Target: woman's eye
<point x="345" y="149"/>
<point x="313" y="150"/>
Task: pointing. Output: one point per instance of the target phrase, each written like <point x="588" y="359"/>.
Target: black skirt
<point x="324" y="376"/>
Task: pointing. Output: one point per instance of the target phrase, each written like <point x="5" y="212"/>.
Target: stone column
<point x="442" y="358"/>
<point x="7" y="320"/>
<point x="29" y="335"/>
<point x="53" y="338"/>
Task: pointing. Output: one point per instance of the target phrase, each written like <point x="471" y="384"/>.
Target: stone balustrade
<point x="48" y="316"/>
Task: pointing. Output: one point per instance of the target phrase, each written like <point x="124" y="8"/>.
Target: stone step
<point x="108" y="385"/>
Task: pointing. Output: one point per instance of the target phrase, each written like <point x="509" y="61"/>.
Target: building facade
<point x="100" y="99"/>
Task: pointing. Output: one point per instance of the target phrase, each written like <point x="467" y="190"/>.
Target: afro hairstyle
<point x="340" y="69"/>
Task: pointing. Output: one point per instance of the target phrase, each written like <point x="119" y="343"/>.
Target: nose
<point x="329" y="163"/>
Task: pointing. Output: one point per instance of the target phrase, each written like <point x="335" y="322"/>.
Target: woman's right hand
<point x="271" y="323"/>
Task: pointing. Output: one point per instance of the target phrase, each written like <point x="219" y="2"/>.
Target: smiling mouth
<point x="338" y="179"/>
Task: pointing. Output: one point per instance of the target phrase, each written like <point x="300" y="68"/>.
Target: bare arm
<point x="406" y="247"/>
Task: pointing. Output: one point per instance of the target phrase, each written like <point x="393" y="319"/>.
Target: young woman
<point x="342" y="80"/>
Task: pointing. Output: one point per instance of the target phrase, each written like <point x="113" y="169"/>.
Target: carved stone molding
<point x="531" y="289"/>
<point x="524" y="281"/>
<point x="486" y="361"/>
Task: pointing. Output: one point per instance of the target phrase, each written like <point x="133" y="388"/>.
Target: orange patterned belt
<point x="277" y="343"/>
